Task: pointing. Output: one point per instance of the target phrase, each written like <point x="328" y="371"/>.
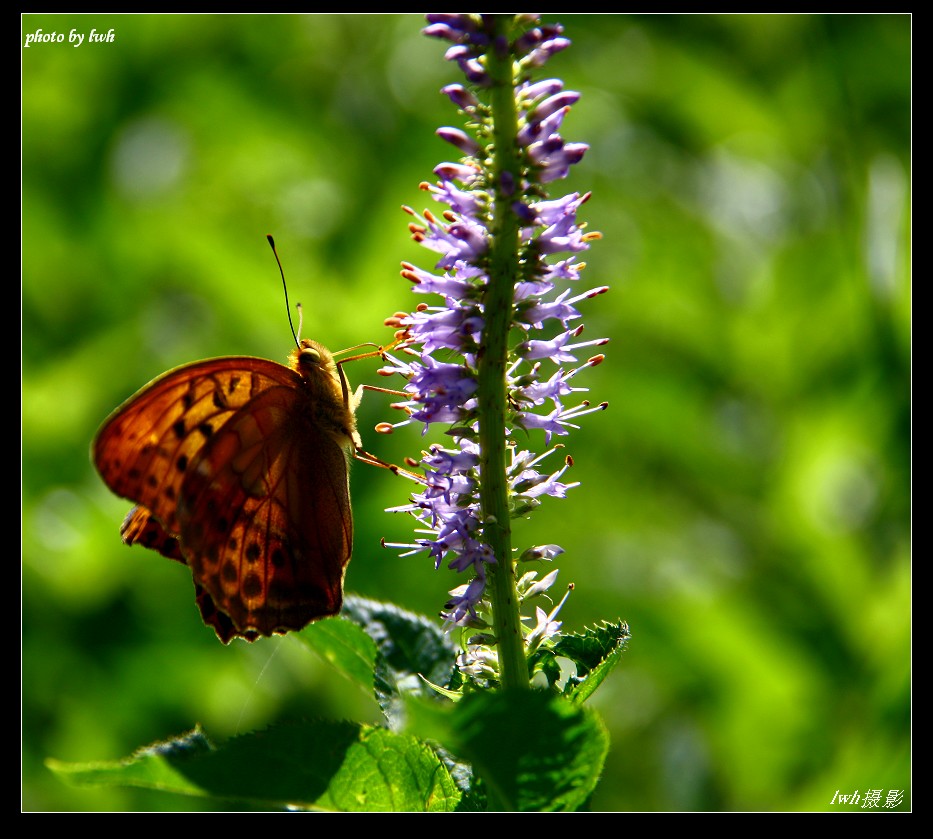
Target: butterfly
<point x="239" y="468"/>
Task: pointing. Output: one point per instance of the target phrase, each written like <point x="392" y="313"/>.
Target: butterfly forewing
<point x="239" y="468"/>
<point x="144" y="449"/>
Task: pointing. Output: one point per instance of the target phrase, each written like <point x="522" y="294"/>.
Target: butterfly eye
<point x="309" y="357"/>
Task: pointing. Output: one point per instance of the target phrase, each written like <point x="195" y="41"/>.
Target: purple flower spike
<point x="484" y="301"/>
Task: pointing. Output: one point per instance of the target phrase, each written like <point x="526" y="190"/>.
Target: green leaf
<point x="533" y="751"/>
<point x="154" y="767"/>
<point x="336" y="766"/>
<point x="392" y="772"/>
<point x="411" y="652"/>
<point x="384" y="650"/>
<point x="595" y="653"/>
<point x="411" y="644"/>
<point x="345" y="646"/>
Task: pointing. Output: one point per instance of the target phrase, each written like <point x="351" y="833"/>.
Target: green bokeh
<point x="744" y="502"/>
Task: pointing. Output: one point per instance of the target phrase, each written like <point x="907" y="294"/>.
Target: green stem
<point x="493" y="356"/>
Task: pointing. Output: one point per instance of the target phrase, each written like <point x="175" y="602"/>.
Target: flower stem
<point x="503" y="273"/>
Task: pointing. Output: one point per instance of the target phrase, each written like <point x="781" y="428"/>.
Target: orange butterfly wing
<point x="239" y="469"/>
<point x="140" y="526"/>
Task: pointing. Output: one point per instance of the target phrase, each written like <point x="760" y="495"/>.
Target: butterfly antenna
<point x="288" y="308"/>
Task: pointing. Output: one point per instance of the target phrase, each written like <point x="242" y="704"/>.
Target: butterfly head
<point x="310" y="358"/>
<point x="333" y="404"/>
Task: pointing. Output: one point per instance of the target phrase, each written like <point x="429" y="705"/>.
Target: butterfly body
<point x="239" y="468"/>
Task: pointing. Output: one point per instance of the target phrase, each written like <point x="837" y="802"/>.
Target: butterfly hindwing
<point x="264" y="515"/>
<point x="141" y="527"/>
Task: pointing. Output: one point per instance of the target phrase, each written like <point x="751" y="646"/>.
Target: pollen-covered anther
<point x="395" y="320"/>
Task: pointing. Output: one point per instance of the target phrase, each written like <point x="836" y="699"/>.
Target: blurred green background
<point x="745" y="502"/>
